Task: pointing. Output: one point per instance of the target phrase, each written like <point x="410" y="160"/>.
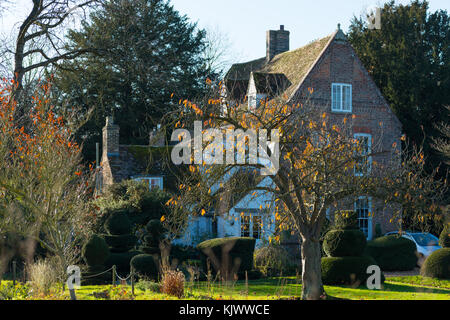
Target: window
<point x="341" y="97"/>
<point x="251" y="226"/>
<point x="364" y="165"/>
<point x="363" y="208"/>
<point x="152" y="182"/>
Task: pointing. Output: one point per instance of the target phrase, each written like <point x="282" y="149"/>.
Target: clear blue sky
<point x="245" y="21"/>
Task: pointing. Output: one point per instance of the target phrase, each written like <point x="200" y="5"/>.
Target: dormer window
<point x="341" y="97"/>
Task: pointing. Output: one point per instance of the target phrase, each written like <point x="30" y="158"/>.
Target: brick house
<point x="342" y="87"/>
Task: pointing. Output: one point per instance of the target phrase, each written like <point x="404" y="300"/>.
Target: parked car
<point x="425" y="242"/>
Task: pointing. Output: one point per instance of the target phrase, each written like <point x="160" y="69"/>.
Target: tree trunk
<point x="312" y="287"/>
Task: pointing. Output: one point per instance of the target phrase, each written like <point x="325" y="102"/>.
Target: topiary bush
<point x="346" y="270"/>
<point x="145" y="266"/>
<point x="346" y="220"/>
<point x="154" y="233"/>
<point x="230" y="256"/>
<point x="393" y="253"/>
<point x="437" y="265"/>
<point x="342" y="243"/>
<point x="444" y="238"/>
<point x="272" y="261"/>
<point x="118" y="223"/>
<point x="95" y="251"/>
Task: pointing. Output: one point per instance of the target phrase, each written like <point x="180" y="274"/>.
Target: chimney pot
<point x="277" y="41"/>
<point x="282" y="27"/>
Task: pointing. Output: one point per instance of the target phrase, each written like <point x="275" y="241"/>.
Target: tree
<point x="38" y="43"/>
<point x="148" y="52"/>
<point x="408" y="59"/>
<point x="43" y="184"/>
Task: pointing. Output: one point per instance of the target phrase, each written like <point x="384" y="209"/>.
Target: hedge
<point x="444" y="238"/>
<point x="121" y="260"/>
<point x="346" y="220"/>
<point x="239" y="252"/>
<point x="437" y="265"/>
<point x="342" y="243"/>
<point x="118" y="223"/>
<point x="95" y="251"/>
<point x="145" y="266"/>
<point x="346" y="270"/>
<point x="393" y="253"/>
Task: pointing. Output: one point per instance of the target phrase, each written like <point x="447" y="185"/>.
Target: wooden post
<point x="14" y="272"/>
<point x="114" y="275"/>
<point x="132" y="280"/>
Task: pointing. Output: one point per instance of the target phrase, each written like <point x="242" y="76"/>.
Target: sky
<point x="244" y="22"/>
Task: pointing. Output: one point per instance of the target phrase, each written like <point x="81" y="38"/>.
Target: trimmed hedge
<point x="237" y="250"/>
<point x="121" y="260"/>
<point x="393" y="253"/>
<point x="145" y="266"/>
<point x="346" y="220"/>
<point x="343" y="243"/>
<point x="118" y="223"/>
<point x="346" y="270"/>
<point x="444" y="238"/>
<point x="124" y="241"/>
<point x="437" y="265"/>
<point x="95" y="251"/>
<point x="273" y="260"/>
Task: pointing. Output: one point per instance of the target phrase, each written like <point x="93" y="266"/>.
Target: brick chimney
<point x="277" y="41"/>
<point x="110" y="138"/>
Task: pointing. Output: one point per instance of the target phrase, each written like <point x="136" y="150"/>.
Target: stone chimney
<point x="277" y="41"/>
<point x="110" y="138"/>
<point x="156" y="138"/>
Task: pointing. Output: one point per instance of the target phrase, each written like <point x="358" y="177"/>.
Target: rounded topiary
<point x="95" y="251"/>
<point x="393" y="253"/>
<point x="120" y="243"/>
<point x="437" y="265"/>
<point x="444" y="238"/>
<point x="342" y="243"/>
<point x="227" y="255"/>
<point x="118" y="223"/>
<point x="346" y="270"/>
<point x="145" y="266"/>
<point x="121" y="260"/>
<point x="272" y="260"/>
<point x="346" y="220"/>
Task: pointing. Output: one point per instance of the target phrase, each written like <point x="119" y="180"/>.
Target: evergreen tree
<point x="145" y="52"/>
<point x="408" y="59"/>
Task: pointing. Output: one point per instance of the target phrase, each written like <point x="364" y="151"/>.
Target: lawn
<point x="398" y="288"/>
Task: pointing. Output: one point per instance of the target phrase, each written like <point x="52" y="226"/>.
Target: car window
<point x="425" y="239"/>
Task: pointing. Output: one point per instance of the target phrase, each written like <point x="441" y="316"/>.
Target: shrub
<point x="272" y="260"/>
<point x="95" y="251"/>
<point x="118" y="223"/>
<point x="121" y="260"/>
<point x="346" y="270"/>
<point x="120" y="243"/>
<point x="437" y="265"/>
<point x="346" y="219"/>
<point x="342" y="243"/>
<point x="228" y="255"/>
<point x="172" y="283"/>
<point x="42" y="277"/>
<point x="145" y="266"/>
<point x="393" y="253"/>
<point x="146" y="285"/>
<point x="444" y="238"/>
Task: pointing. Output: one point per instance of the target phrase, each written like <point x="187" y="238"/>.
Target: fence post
<point x="132" y="280"/>
<point x="14" y="272"/>
<point x="114" y="275"/>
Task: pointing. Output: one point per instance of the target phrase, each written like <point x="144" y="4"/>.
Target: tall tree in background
<point x="148" y="51"/>
<point x="409" y="59"/>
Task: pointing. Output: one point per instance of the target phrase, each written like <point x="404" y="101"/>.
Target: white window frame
<point x="368" y="218"/>
<point x="159" y="181"/>
<point x="369" y="150"/>
<point x="340" y="104"/>
<point x="251" y="230"/>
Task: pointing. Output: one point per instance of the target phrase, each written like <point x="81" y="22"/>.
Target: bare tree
<point x="39" y="42"/>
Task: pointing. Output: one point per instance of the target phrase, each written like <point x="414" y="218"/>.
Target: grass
<point x="395" y="288"/>
<point x="398" y="288"/>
